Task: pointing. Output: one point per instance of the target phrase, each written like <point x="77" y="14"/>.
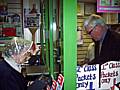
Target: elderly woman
<point x="17" y="51"/>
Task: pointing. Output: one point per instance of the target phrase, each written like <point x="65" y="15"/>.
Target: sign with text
<point x="110" y="75"/>
<point x="112" y="6"/>
<point x="87" y="77"/>
<point x="32" y="20"/>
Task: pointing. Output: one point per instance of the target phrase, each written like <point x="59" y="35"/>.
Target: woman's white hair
<point x="15" y="46"/>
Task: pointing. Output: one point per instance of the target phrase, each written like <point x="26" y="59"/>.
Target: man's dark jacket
<point x="10" y="79"/>
<point x="110" y="50"/>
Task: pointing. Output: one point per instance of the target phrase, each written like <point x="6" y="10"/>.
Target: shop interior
<point x="56" y="27"/>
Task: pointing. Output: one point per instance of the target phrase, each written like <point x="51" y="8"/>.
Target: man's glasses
<point x="92" y="29"/>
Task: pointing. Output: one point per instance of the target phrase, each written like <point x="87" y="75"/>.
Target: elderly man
<point x="17" y="52"/>
<point x="107" y="42"/>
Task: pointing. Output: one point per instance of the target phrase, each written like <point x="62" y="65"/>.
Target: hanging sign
<point x="32" y="20"/>
<point x="112" y="6"/>
<point x="87" y="77"/>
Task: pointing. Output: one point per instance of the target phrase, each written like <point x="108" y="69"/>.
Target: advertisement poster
<point x="112" y="6"/>
<point x="110" y="75"/>
<point x="88" y="77"/>
<point x="31" y="20"/>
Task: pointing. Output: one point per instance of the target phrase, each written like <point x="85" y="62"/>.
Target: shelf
<point x="111" y="18"/>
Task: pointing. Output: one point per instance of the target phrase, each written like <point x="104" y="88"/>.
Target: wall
<point x="82" y="13"/>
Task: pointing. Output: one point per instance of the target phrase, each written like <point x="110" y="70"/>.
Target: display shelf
<point x="110" y="18"/>
<point x="11" y="19"/>
<point x="3" y="40"/>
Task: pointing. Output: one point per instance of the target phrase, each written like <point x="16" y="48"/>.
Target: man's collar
<point x="13" y="64"/>
<point x="101" y="41"/>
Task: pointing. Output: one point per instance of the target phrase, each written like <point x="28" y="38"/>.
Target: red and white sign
<point x="57" y="85"/>
<point x="54" y="85"/>
<point x="60" y="82"/>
